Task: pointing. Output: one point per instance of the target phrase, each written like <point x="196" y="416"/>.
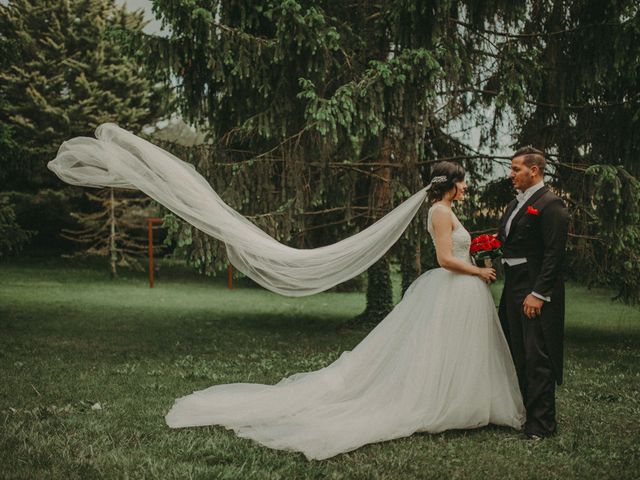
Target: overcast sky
<point x="154" y="25"/>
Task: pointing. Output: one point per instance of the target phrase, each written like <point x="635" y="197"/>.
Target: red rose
<point x="485" y="243"/>
<point x="531" y="210"/>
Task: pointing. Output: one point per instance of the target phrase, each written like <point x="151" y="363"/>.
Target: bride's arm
<point x="442" y="222"/>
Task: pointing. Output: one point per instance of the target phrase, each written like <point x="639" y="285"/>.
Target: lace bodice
<point x="460" y="236"/>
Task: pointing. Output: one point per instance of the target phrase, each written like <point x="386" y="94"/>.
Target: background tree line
<point x="322" y="116"/>
<point x="66" y="67"/>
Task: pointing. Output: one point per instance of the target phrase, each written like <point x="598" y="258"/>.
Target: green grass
<point x="71" y="338"/>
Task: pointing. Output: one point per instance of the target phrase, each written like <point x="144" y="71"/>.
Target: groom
<point x="533" y="232"/>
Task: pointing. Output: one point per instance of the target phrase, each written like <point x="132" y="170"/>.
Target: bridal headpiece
<point x="437" y="179"/>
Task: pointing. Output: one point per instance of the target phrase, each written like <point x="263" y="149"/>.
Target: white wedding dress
<point x="438" y="361"/>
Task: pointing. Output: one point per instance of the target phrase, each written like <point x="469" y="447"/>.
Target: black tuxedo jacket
<point x="541" y="238"/>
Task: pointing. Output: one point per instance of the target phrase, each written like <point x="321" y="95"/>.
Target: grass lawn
<point x="70" y="339"/>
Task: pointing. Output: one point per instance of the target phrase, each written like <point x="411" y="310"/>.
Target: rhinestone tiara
<point x="439" y="179"/>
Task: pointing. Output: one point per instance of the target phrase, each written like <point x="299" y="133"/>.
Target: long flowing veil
<point x="118" y="158"/>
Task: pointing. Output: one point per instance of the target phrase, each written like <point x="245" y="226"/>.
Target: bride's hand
<point x="487" y="274"/>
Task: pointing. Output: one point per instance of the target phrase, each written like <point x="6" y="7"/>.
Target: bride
<point x="438" y="361"/>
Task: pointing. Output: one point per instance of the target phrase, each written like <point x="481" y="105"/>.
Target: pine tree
<point x="568" y="77"/>
<point x="67" y="66"/>
<point x="116" y="230"/>
<point x="324" y="115"/>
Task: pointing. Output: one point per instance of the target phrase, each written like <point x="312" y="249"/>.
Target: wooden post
<point x="230" y="276"/>
<point x="150" y="227"/>
<point x="150" y="222"/>
<point x="113" y="254"/>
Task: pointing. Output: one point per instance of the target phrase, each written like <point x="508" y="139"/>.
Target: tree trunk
<point x="113" y="254"/>
<point x="379" y="291"/>
<point x="410" y="266"/>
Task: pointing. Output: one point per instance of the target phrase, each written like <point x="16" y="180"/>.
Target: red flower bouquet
<point x="486" y="248"/>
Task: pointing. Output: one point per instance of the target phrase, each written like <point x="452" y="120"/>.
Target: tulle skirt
<point x="438" y="361"/>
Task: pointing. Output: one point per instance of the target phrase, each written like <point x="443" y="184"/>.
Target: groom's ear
<point x="535" y="170"/>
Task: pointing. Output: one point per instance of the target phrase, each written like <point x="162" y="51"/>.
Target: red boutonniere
<point x="531" y="210"/>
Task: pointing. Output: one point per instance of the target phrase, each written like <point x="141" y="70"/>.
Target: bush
<point x="46" y="213"/>
<point x="12" y="236"/>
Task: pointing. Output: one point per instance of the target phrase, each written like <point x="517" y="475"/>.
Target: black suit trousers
<point x="529" y="351"/>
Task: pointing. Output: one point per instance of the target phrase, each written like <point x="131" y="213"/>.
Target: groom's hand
<point x="532" y="306"/>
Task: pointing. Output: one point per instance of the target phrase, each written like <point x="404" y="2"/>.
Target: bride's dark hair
<point x="444" y="176"/>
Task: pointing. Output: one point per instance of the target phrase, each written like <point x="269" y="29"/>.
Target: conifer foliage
<point x="323" y="115"/>
<point x="116" y="230"/>
<point x="65" y="67"/>
<point x="326" y="114"/>
<point x="12" y="236"/>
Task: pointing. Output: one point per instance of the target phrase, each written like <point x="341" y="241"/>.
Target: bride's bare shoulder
<point x="440" y="210"/>
<point x="441" y="215"/>
<point x="438" y="205"/>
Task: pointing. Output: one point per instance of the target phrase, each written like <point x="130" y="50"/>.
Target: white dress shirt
<point x="522" y="198"/>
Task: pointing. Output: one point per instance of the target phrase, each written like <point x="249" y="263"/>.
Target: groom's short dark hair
<point x="532" y="156"/>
